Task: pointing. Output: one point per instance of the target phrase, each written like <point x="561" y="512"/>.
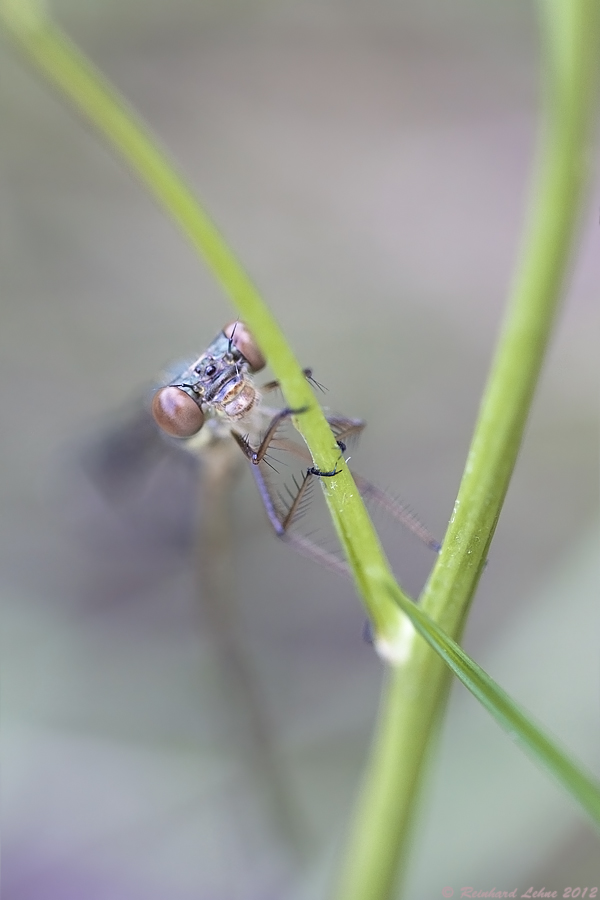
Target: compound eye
<point x="176" y="413"/>
<point x="245" y="343"/>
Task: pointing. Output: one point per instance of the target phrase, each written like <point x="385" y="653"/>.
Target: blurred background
<point x="368" y="162"/>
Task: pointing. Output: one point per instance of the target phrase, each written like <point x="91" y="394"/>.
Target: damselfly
<point x="216" y="399"/>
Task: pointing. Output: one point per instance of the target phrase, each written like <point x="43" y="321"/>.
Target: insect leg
<point x="398" y="511"/>
<point x="256" y="456"/>
<point x="345" y="428"/>
<point x="281" y="520"/>
<point x="273" y="385"/>
<point x="312" y="470"/>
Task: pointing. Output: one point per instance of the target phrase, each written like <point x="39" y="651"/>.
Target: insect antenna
<point x="232" y="335"/>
